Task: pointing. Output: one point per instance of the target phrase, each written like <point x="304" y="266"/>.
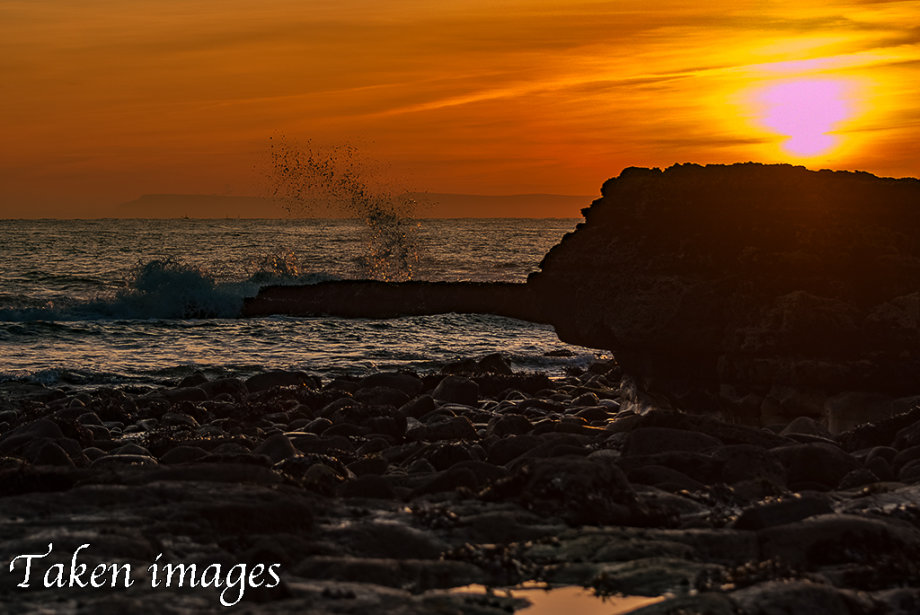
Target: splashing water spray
<point x="308" y="179"/>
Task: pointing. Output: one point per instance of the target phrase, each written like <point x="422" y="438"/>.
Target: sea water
<point x="86" y="302"/>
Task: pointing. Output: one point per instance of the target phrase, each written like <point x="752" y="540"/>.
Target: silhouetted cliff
<point x="752" y="275"/>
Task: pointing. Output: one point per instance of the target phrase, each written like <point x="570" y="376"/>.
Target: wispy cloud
<point x="137" y="87"/>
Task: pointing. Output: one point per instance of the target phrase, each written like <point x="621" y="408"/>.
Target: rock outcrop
<point x="770" y="283"/>
<point x="374" y="299"/>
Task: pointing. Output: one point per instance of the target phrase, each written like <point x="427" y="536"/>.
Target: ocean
<point x="109" y="302"/>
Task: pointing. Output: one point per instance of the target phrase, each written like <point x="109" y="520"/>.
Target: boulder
<point x="580" y="491"/>
<point x="278" y="378"/>
<point x="457" y="389"/>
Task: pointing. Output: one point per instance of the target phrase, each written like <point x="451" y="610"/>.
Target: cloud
<point x="152" y="86"/>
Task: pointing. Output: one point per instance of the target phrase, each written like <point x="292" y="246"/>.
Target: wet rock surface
<point x="382" y="494"/>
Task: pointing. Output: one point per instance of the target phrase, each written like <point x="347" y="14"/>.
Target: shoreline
<point x="385" y="492"/>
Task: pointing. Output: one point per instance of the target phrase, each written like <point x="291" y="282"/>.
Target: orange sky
<point x="105" y="100"/>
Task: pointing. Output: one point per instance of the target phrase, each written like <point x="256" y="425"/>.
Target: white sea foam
<point x="168" y="289"/>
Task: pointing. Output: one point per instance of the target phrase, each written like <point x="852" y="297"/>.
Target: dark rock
<point x="277" y="448"/>
<point x="807" y="426"/>
<point x="594" y="413"/>
<point x="318" y="425"/>
<point x="310" y="443"/>
<point x="178" y="419"/>
<point x="418" y="407"/>
<point x="554" y="444"/>
<point x="409" y="384"/>
<point x="90" y="418"/>
<point x="383" y="539"/>
<point x="123" y="460"/>
<point x="347" y="430"/>
<point x="858" y="478"/>
<point x="511" y="447"/>
<point x="585" y="399"/>
<point x="22" y="435"/>
<point x="450" y="480"/>
<point x="370" y="464"/>
<point x="505" y="424"/>
<point x="485" y="472"/>
<point x="236" y="457"/>
<point x="373" y="299"/>
<point x="725" y="432"/>
<point x="787" y="510"/>
<point x="129" y="449"/>
<point x="899" y="458"/>
<point x="543" y="405"/>
<point x="457" y="389"/>
<point x="664" y="478"/>
<point x="92" y="453"/>
<point x="496" y="385"/>
<point x="269" y="380"/>
<point x="457" y="428"/>
<point x="908" y="437"/>
<point x="313" y="475"/>
<point x="415" y="574"/>
<point x="652" y="576"/>
<point x="799" y="597"/>
<point x="743" y="462"/>
<point x="820" y="463"/>
<point x="900" y="601"/>
<point x="580" y="491"/>
<point x="881" y="433"/>
<point x="287" y="515"/>
<point x="183" y="454"/>
<point x="99" y="433"/>
<point x="421" y="466"/>
<point x="392" y="426"/>
<point x="702" y="603"/>
<point x="745" y="274"/>
<point x="578" y="425"/>
<point x="700" y="467"/>
<point x="836" y="539"/>
<point x="910" y="472"/>
<point x="192" y="380"/>
<point x="880" y="467"/>
<point x="234" y="387"/>
<point x="651" y="440"/>
<point x="493" y="363"/>
<point x="337" y="405"/>
<point x="373" y="446"/>
<point x="48" y="452"/>
<point x="502" y="526"/>
<point x="368" y="486"/>
<point x="444" y="455"/>
<point x="381" y="396"/>
<point x="190" y="394"/>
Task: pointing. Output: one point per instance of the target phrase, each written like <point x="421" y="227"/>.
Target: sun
<point x="806" y="112"/>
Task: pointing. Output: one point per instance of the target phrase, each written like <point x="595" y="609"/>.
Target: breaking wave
<point x="168" y="288"/>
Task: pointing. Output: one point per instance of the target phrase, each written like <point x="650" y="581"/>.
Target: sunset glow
<point x="806" y="112"/>
<point x="105" y="101"/>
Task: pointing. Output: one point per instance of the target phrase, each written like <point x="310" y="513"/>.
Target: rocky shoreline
<point x="383" y="494"/>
